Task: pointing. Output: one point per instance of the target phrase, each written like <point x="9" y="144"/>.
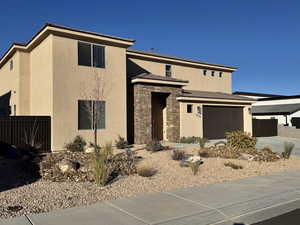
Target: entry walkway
<point x="244" y="201"/>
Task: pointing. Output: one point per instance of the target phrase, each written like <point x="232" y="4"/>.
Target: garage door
<point x="217" y="120"/>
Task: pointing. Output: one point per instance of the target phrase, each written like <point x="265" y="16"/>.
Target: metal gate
<point x="264" y="127"/>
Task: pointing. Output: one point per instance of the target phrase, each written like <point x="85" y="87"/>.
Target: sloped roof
<point x="282" y="109"/>
<point x="209" y="94"/>
<point x="151" y="76"/>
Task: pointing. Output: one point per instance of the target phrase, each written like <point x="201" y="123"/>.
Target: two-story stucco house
<point x="146" y="95"/>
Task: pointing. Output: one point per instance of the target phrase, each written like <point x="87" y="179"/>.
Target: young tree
<point x="93" y="91"/>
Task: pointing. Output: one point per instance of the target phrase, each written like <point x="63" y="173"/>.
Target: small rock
<point x="244" y="156"/>
<point x="191" y="159"/>
<point x="89" y="150"/>
<point x="15" y="208"/>
<point x="66" y="166"/>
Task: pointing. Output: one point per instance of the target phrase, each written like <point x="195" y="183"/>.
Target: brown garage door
<point x="217" y="120"/>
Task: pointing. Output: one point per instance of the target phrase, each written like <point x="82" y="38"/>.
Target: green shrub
<point x="77" y="145"/>
<point x="146" y="171"/>
<point x="189" y="140"/>
<point x="202" y="142"/>
<point x="100" y="164"/>
<point x="178" y="154"/>
<point x="240" y="139"/>
<point x="288" y="148"/>
<point x="121" y="143"/>
<point x="154" y="146"/>
<point x="233" y="166"/>
<point x="194" y="167"/>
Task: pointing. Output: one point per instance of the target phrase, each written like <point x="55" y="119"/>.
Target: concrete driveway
<point x="277" y="144"/>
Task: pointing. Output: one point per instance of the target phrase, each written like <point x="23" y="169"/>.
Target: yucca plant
<point x="288" y="148"/>
<point x="202" y="142"/>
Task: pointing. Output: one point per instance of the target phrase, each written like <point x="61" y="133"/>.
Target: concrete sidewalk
<point x="243" y="201"/>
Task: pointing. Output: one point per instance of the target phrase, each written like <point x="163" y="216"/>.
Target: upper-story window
<point x="204" y="72"/>
<point x="212" y="73"/>
<point x="91" y="55"/>
<point x="168" y="71"/>
<point x="11" y="65"/>
<point x="220" y="74"/>
<point x="189" y="108"/>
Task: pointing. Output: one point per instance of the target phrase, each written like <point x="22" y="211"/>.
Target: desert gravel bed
<point x="44" y="196"/>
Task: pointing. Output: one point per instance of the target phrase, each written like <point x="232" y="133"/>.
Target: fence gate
<point x="15" y="130"/>
<point x="264" y="127"/>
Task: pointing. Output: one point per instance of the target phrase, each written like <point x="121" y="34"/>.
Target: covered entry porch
<point x="155" y="109"/>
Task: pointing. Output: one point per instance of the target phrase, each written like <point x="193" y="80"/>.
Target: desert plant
<point x="189" y="140"/>
<point x="288" y="148"/>
<point x="77" y="145"/>
<point x="154" y="146"/>
<point x="202" y="142"/>
<point x="203" y="153"/>
<point x="194" y="167"/>
<point x="233" y="165"/>
<point x="100" y="164"/>
<point x="146" y="171"/>
<point x="30" y="137"/>
<point x="121" y="143"/>
<point x="178" y="154"/>
<point x="240" y="139"/>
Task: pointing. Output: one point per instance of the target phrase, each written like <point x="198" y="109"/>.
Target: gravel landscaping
<point x="46" y="195"/>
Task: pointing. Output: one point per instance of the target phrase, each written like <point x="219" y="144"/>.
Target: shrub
<point x="100" y="164"/>
<point x="146" y="171"/>
<point x="77" y="145"/>
<point x="288" y="148"/>
<point x="154" y="146"/>
<point x="194" y="167"/>
<point x="203" y="153"/>
<point x="189" y="140"/>
<point x="240" y="139"/>
<point x="178" y="154"/>
<point x="233" y="166"/>
<point x="121" y="143"/>
<point x="202" y="142"/>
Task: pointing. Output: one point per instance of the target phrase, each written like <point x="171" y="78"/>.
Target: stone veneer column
<point x="142" y="112"/>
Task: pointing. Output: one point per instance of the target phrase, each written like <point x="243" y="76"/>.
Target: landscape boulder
<point x="191" y="159"/>
<point x="67" y="166"/>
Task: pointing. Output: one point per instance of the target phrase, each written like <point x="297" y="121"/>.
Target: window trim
<point x="92" y="44"/>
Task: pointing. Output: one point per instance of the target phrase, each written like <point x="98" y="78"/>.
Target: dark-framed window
<point x="212" y="73"/>
<point x="11" y="65"/>
<point x="89" y="109"/>
<point x="220" y="74"/>
<point x="91" y="55"/>
<point x="168" y="71"/>
<point x="204" y="72"/>
<point x="189" y="108"/>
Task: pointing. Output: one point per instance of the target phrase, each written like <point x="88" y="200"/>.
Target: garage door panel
<point x="217" y="120"/>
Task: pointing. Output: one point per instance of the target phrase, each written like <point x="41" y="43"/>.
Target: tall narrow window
<point x="11" y="65"/>
<point x="168" y="71"/>
<point x="220" y="74"/>
<point x="91" y="55"/>
<point x="204" y="72"/>
<point x="212" y="73"/>
<point x="189" y="108"/>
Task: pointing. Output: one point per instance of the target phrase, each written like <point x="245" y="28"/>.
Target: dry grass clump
<point x="146" y="171"/>
<point x="233" y="165"/>
<point x="288" y="148"/>
<point x="178" y="154"/>
<point x="240" y="139"/>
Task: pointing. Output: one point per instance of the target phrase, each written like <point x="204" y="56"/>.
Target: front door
<point x="158" y="105"/>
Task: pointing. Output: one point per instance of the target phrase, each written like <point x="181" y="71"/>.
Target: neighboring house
<point x="286" y="109"/>
<point x="147" y="95"/>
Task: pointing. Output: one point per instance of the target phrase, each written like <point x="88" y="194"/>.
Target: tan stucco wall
<point x="24" y="84"/>
<point x="68" y="82"/>
<point x="197" y="81"/>
<point x="10" y="80"/>
<point x="41" y="67"/>
<point x="192" y="125"/>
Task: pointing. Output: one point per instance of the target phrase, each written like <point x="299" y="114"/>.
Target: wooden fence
<point x="15" y="130"/>
<point x="264" y="127"/>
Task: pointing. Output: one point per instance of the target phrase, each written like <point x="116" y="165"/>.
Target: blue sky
<point x="262" y="38"/>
